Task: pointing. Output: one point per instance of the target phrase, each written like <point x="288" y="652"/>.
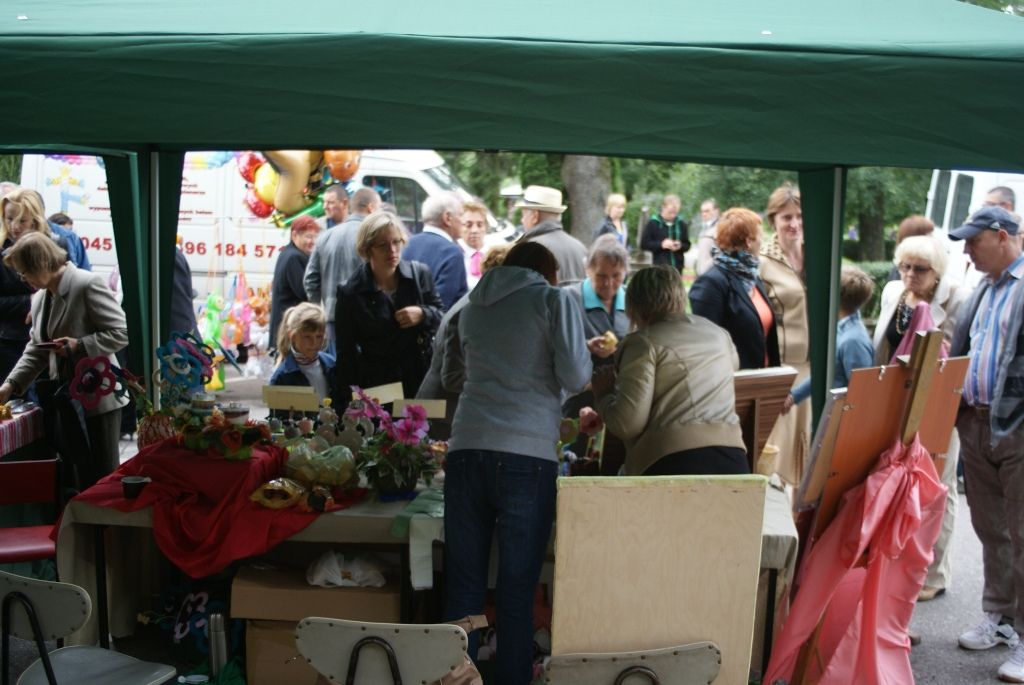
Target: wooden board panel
<point x="872" y="417"/>
<point x="646" y="563"/>
<point x="759" y="397"/>
<point x="290" y="397"/>
<point x="435" y="408"/>
<point x="819" y="464"/>
<point x="384" y="394"/>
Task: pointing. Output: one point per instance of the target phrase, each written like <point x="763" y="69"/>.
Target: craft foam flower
<point x="94" y="378"/>
<point x="232" y="439"/>
<point x="364" y="406"/>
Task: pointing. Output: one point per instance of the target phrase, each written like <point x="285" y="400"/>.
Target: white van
<point x="226" y="245"/>
<point x="955" y="195"/>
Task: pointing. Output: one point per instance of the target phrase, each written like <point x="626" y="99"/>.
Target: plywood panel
<point x="876" y="402"/>
<point x="646" y="563"/>
<point x="760" y="394"/>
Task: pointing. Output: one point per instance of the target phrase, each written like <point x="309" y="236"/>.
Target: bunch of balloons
<point x="289" y="183"/>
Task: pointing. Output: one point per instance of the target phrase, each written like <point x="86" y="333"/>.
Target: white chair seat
<point x="97" y="666"/>
<point x="693" y="664"/>
<point x="424" y="653"/>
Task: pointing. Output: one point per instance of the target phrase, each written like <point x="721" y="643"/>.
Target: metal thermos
<point x="218" y="643"/>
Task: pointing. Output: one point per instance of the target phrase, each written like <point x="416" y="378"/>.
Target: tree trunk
<point x="872" y="237"/>
<point x="587" y="182"/>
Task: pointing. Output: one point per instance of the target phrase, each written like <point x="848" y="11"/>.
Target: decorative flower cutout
<point x="94" y="378"/>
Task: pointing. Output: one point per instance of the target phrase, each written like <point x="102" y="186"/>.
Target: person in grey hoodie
<point x="521" y="345"/>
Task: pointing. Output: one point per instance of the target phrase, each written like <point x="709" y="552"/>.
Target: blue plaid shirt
<point x="989" y="329"/>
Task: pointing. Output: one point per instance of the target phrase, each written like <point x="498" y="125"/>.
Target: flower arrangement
<point x="217" y="437"/>
<point x="397" y="453"/>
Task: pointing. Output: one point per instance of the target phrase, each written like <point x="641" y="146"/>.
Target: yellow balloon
<point x="265" y="182"/>
<point x="296" y="168"/>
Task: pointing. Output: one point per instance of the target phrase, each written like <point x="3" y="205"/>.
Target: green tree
<point x="10" y="168"/>
<point x="1004" y="6"/>
<point x="877" y="197"/>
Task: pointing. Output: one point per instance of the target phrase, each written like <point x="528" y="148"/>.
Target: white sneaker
<point x="1012" y="670"/>
<point x="989" y="633"/>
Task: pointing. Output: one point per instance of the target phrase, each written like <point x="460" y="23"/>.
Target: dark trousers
<point x="701" y="461"/>
<point x="512" y="495"/>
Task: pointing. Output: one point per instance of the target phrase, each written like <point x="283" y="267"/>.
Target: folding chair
<point x="354" y="652"/>
<point x="44" y="610"/>
<point x="27" y="482"/>
<point x="693" y="664"/>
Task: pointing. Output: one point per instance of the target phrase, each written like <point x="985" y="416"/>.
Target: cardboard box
<point x="275" y="600"/>
<point x="271" y="657"/>
<point x="284" y="595"/>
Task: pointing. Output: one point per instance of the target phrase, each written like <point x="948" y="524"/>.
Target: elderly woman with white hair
<point x="922" y="261"/>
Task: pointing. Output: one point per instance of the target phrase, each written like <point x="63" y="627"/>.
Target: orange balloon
<point x="343" y="164"/>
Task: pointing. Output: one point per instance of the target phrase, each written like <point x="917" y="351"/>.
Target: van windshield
<point x="446" y="179"/>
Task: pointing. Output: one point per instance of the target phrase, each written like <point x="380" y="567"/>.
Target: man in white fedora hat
<point x="542" y="222"/>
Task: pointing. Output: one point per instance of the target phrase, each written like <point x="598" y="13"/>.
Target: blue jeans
<point x="514" y="495"/>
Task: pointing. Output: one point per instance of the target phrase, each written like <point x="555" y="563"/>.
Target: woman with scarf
<point x="732" y="294"/>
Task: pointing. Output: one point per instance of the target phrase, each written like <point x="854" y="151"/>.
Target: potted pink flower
<point x="397" y="454"/>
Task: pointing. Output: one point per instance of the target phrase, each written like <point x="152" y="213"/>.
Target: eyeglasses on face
<point x="905" y="268"/>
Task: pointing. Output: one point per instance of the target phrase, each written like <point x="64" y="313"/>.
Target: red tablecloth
<point x="202" y="516"/>
<point x="21" y="430"/>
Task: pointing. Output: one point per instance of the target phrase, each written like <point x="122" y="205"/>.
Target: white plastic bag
<point x="335" y="569"/>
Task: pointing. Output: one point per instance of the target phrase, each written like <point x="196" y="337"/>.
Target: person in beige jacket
<point x="670" y="396"/>
<point x="782" y="271"/>
<point x="74" y="315"/>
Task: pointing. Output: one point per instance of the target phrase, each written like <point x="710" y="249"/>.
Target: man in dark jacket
<point x="436" y="246"/>
<point x="287" y="289"/>
<point x="666" y="235"/>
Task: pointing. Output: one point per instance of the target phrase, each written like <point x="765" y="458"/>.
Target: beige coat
<point x="674" y="391"/>
<point x="788" y="296"/>
<point x="85" y="309"/>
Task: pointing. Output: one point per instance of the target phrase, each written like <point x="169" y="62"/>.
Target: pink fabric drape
<point x="920" y="320"/>
<point x="894" y="517"/>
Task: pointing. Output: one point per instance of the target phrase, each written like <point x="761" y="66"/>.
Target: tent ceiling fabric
<point x="793" y="83"/>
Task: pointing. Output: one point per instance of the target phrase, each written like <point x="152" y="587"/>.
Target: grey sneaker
<point x="1012" y="670"/>
<point x="989" y="633"/>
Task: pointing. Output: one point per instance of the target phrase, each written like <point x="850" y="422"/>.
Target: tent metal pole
<point x="154" y="262"/>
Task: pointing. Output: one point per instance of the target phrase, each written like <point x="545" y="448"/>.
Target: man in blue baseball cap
<point x="990" y="427"/>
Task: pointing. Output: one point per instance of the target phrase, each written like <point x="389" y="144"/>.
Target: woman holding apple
<point x="669" y="396"/>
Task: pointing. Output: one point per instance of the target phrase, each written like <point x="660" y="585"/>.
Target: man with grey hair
<point x="542" y="222"/>
<point x="334" y="258"/>
<point x="1002" y="196"/>
<point x="436" y="246"/>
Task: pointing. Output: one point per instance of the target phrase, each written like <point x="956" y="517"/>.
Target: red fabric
<point x="202" y="516"/>
<point x="920" y="320"/>
<point x="894" y="516"/>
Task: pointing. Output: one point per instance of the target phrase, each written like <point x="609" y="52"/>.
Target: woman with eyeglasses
<point x="74" y="316"/>
<point x="921" y="262"/>
<point x="924" y="283"/>
<point x="386" y="314"/>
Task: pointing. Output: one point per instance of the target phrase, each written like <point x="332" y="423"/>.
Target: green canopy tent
<point x="795" y="84"/>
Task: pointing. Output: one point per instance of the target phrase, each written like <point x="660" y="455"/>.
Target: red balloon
<point x="256" y="205"/>
<point x="248" y="162"/>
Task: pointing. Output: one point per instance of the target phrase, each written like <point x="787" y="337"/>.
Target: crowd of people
<point x="516" y="336"/>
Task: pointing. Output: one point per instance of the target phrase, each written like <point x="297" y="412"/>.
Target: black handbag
<point x="66" y="431"/>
